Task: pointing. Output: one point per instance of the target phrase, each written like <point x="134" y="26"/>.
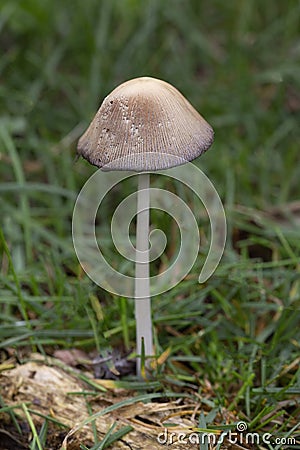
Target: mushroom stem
<point x="142" y="282"/>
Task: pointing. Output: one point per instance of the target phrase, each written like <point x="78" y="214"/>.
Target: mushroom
<point x="144" y="125"/>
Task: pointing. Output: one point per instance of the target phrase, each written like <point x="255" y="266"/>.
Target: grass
<point x="234" y="340"/>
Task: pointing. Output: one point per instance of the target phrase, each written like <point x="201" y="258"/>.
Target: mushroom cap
<point x="145" y="124"/>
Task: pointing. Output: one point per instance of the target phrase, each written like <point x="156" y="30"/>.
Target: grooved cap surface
<point x="145" y="124"/>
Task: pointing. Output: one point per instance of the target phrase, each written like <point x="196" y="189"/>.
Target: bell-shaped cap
<point x="145" y="124"/>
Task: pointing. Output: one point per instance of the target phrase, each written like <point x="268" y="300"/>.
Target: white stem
<point x="142" y="282"/>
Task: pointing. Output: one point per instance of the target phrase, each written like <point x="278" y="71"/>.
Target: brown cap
<point x="145" y="124"/>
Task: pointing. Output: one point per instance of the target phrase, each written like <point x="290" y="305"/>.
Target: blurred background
<point x="238" y="63"/>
